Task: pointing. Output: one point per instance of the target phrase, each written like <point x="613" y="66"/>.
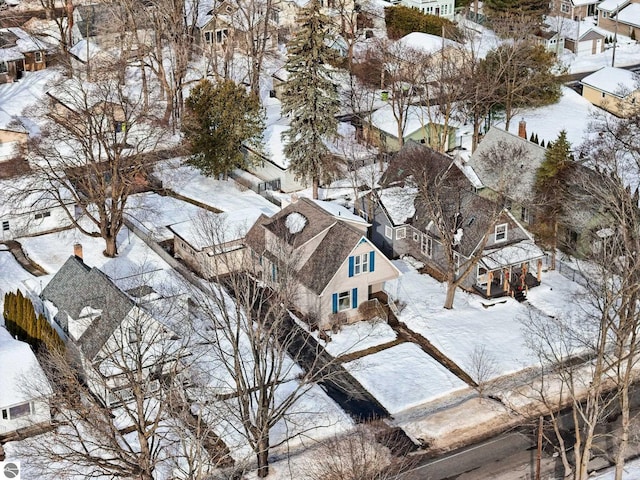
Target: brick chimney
<point x="522" y="129"/>
<point x="77" y="250"/>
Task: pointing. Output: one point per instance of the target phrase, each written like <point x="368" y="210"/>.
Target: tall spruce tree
<point x="218" y="120"/>
<point x="310" y="99"/>
<point x="551" y="181"/>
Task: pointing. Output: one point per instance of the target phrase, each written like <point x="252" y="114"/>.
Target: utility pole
<point x="615" y="39"/>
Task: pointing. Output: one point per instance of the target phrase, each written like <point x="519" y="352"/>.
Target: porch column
<point x="539" y="272"/>
<point x="489" y="282"/>
<point x="506" y="274"/>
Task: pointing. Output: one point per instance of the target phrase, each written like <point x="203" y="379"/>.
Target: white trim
<point x="388" y="232"/>
<point x="504" y="232"/>
<point x="401" y="233"/>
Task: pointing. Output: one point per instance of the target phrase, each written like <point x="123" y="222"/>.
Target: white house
<point x="439" y="8"/>
<point x="336" y="268"/>
<point x="104" y="325"/>
<point x="23" y="387"/>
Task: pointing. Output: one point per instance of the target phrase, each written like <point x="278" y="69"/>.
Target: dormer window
<point x="501" y="232"/>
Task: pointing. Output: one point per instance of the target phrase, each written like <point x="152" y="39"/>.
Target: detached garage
<point x="589" y="43"/>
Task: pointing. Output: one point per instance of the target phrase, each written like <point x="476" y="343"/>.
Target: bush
<point x="401" y="21"/>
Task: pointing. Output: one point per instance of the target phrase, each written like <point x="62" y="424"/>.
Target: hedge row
<point x="401" y="21"/>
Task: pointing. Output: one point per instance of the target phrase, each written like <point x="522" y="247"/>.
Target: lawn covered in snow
<point x="403" y="377"/>
<point x="357" y="337"/>
<point x="461" y="333"/>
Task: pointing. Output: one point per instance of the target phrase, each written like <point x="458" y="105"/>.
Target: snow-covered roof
<point x="630" y="15"/>
<point x="514" y="254"/>
<point x="19" y="370"/>
<point x="399" y="203"/>
<point x="10" y="122"/>
<point x="417" y="117"/>
<point x="612" y="5"/>
<point x="339" y="211"/>
<point x="613" y="80"/>
<point x="273" y="146"/>
<point x="426" y="42"/>
<point x="84" y="50"/>
<point x="18" y="43"/>
<point x="234" y="226"/>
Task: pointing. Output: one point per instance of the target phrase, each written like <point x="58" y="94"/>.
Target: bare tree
<point x="124" y="413"/>
<point x="93" y="151"/>
<point x="359" y="455"/>
<point x="263" y="361"/>
<point x="484" y="368"/>
<point x="449" y="204"/>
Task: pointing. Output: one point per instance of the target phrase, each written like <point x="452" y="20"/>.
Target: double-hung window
<point x="361" y="264"/>
<point x="501" y="232"/>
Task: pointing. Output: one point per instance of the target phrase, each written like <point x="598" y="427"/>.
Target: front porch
<point x="513" y="280"/>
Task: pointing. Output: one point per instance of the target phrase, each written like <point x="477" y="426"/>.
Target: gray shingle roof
<point x="76" y="286"/>
<point x="507" y="163"/>
<point x="339" y="239"/>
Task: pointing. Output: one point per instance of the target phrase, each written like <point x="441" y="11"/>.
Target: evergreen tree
<point x="551" y="181"/>
<point x="310" y="99"/>
<point x="532" y="138"/>
<point x="535" y="139"/>
<point x="542" y="143"/>
<point x="218" y="121"/>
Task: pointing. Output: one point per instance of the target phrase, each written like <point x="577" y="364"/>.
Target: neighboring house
<point x="335" y="267"/>
<point x="220" y="249"/>
<point x="33" y="214"/>
<point x="19" y="53"/>
<point x="620" y="16"/>
<point x="589" y="42"/>
<point x="511" y="262"/>
<point x="439" y="8"/>
<point x="106" y="25"/>
<point x="271" y="165"/>
<point x="23" y="401"/>
<point x="103" y="325"/>
<point x="507" y="165"/>
<point x="223" y="25"/>
<point x="615" y="90"/>
<point x="13" y="136"/>
<point x="342" y="13"/>
<point x="575" y="9"/>
<point x="551" y="40"/>
<point x="423" y="124"/>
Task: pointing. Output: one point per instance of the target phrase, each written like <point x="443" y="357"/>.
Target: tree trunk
<point x="623" y="441"/>
<point x="315" y="187"/>
<point x="263" y="456"/>
<point x="554" y="245"/>
<point x="451" y="292"/>
<point x="111" y="249"/>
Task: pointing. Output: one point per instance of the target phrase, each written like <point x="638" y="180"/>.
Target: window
<point x="363" y="214"/>
<point x="275" y="15"/>
<point x="41" y="215"/>
<point x="17" y="411"/>
<point x="133" y="335"/>
<point x="603" y="94"/>
<point x="388" y="232"/>
<point x="5" y="225"/>
<point x="401" y="233"/>
<point x="38" y="57"/>
<point x="208" y="37"/>
<point x="3" y="67"/>
<point x="564" y="8"/>
<point x="361" y="263"/>
<point x="426" y="246"/>
<point x="416" y="237"/>
<point x="221" y="35"/>
<point x="525" y="216"/>
<point x="501" y="232"/>
<point x="120" y="127"/>
<point x="482" y="276"/>
<point x="344" y="301"/>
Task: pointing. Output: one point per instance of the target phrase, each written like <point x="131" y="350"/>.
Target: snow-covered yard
<point x="403" y="377"/>
<point x="474" y="325"/>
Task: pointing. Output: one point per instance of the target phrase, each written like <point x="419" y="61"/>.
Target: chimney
<point x="77" y="250"/>
<point x="294" y="197"/>
<point x="522" y="129"/>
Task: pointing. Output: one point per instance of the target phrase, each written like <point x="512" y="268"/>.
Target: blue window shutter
<point x="351" y="266"/>
<point x="354" y="298"/>
<point x="335" y="303"/>
<point x="372" y="265"/>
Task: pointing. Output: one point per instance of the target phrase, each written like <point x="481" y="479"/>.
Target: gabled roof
<point x="338" y="238"/>
<point x="514" y="174"/>
<point x="630" y="15"/>
<point x="612" y="80"/>
<point x="77" y="286"/>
